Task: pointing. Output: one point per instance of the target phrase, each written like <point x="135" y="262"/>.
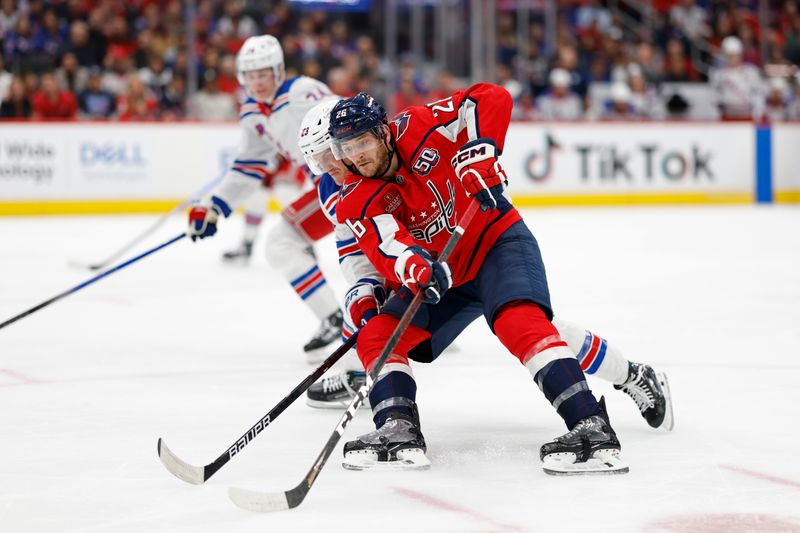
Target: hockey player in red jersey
<point x="410" y="181"/>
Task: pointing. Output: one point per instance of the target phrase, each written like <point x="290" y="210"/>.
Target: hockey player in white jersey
<point x="270" y="120"/>
<point x="738" y="86"/>
<point x="648" y="389"/>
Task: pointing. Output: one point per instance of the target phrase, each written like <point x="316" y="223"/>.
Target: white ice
<point x="181" y="347"/>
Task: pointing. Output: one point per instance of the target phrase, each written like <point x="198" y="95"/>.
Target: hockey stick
<point x="88" y="282"/>
<point x="197" y="475"/>
<point x="150" y="230"/>
<point x="279" y="501"/>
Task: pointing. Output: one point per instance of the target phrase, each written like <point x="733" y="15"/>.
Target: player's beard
<point x="369" y="168"/>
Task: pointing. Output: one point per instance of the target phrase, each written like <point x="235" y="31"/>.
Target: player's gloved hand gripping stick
<point x="278" y="501"/>
<point x="88" y="282"/>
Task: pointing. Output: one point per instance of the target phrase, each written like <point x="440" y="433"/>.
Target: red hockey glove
<point x="202" y="221"/>
<point x="416" y="269"/>
<point x="480" y="173"/>
<point x="283" y="166"/>
<point x="362" y="301"/>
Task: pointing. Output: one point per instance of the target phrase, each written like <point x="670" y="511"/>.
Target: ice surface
<point x="181" y="347"/>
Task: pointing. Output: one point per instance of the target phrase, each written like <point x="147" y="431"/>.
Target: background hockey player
<point x="284" y="185"/>
<point x="402" y="203"/>
<point x="649" y="390"/>
<point x="270" y="119"/>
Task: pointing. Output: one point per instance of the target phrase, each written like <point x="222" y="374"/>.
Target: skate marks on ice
<point x="724" y="523"/>
<point x="444" y="505"/>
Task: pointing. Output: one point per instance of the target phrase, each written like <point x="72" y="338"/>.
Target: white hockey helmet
<point x="259" y="52"/>
<point x="315" y="139"/>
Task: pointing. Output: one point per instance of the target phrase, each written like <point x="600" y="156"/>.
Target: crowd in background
<point x="128" y="60"/>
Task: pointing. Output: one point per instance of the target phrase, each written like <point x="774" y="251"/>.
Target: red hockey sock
<point x="376" y="333"/>
<point x="523" y="328"/>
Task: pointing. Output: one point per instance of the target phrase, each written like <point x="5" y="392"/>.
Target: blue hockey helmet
<point x="352" y="117"/>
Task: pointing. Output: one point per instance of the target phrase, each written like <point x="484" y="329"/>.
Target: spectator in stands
<point x="9" y="14"/>
<point x="155" y="75"/>
<point x="619" y="107"/>
<point x="5" y="78"/>
<point x="137" y="101"/>
<point x="677" y="67"/>
<point x="341" y="82"/>
<point x="690" y="19"/>
<point x="567" y="59"/>
<point x="16" y="105"/>
<point x="85" y="50"/>
<point x="210" y="104"/>
<point x="227" y="81"/>
<point x="651" y="62"/>
<point x="51" y="102"/>
<point x="778" y="103"/>
<point x="235" y="26"/>
<point x="644" y="97"/>
<point x="18" y="44"/>
<point x="173" y="103"/>
<point x="52" y="32"/>
<point x="118" y="66"/>
<point x="559" y="103"/>
<point x="94" y="101"/>
<point x="71" y="75"/>
<point x="592" y="16"/>
<point x="738" y="86"/>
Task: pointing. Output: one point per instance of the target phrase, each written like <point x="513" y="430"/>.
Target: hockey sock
<point x="565" y="387"/>
<point x="251" y="223"/>
<point x="527" y="333"/>
<point x="393" y="391"/>
<point x="595" y="354"/>
<point x="288" y="252"/>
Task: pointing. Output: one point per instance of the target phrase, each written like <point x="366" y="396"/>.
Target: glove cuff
<point x="220" y="206"/>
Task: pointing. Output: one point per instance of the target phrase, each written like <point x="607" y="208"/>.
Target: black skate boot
<point x="397" y="445"/>
<point x="336" y="391"/>
<point x="591" y="447"/>
<point x="650" y="391"/>
<point x="239" y="255"/>
<point x="330" y="330"/>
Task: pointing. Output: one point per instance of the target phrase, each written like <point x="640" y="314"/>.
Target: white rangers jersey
<point x="739" y="91"/>
<point x="354" y="264"/>
<point x="269" y="131"/>
<point x="551" y="107"/>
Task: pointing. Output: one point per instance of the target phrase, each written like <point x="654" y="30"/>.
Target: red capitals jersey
<point x="422" y="203"/>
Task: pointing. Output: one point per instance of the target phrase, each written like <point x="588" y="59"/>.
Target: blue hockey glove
<point x="202" y="221"/>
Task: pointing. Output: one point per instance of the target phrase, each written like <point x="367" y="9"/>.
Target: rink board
<point x="100" y="168"/>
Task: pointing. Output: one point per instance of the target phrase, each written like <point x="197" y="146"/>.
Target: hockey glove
<point x="203" y="221"/>
<point x="480" y="173"/>
<point x="362" y="301"/>
<point x="416" y="269"/>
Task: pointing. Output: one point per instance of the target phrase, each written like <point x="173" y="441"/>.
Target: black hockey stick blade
<point x="280" y="501"/>
<point x="197" y="475"/>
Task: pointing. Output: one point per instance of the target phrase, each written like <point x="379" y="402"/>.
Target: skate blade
<point x="602" y="462"/>
<point x="410" y="459"/>
<point x="669" y="421"/>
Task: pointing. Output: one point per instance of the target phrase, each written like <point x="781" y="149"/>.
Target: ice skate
<point x="650" y="391"/>
<point x="591" y="447"/>
<point x="396" y="445"/>
<point x="330" y="330"/>
<point x="336" y="391"/>
<point x="239" y="255"/>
